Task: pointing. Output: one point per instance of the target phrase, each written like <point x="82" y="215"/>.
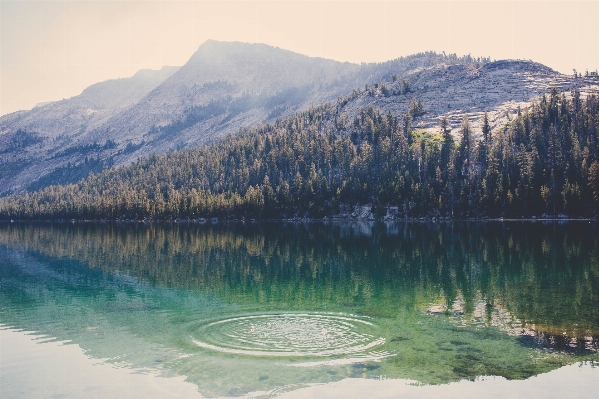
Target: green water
<point x="271" y="307"/>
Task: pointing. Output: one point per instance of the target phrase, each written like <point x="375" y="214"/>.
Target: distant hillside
<point x="222" y="88"/>
<point x="98" y="101"/>
<point x="57" y="127"/>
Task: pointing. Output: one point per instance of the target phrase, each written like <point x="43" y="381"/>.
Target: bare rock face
<point x="228" y="86"/>
<point x="500" y="88"/>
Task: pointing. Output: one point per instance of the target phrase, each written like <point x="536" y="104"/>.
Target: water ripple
<point x="290" y="335"/>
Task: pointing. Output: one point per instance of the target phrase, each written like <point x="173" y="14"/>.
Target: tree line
<point x="320" y="163"/>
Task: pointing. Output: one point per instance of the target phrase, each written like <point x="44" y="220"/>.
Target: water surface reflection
<point x="234" y="307"/>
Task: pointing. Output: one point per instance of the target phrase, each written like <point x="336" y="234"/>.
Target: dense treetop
<point x="316" y="163"/>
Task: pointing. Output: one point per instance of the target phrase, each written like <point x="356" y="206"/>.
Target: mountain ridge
<point x="228" y="86"/>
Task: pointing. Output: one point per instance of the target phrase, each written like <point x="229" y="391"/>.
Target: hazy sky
<point x="51" y="50"/>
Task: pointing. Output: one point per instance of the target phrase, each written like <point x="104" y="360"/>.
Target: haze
<point x="53" y="50"/>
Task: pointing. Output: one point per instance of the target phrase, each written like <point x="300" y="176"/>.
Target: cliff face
<point x="226" y="86"/>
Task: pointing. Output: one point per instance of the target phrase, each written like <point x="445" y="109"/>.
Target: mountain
<point x="31" y="140"/>
<point x="543" y="162"/>
<point x="89" y="109"/>
<point x="223" y="87"/>
<point x="227" y="86"/>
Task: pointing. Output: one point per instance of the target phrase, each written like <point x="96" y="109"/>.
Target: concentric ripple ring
<point x="290" y="335"/>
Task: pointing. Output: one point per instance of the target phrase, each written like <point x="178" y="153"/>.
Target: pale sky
<point x="50" y="50"/>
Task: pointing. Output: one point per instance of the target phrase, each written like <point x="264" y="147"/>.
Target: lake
<point x="457" y="309"/>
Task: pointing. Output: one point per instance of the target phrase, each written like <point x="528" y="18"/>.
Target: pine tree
<point x="594" y="182"/>
<point x="466" y="148"/>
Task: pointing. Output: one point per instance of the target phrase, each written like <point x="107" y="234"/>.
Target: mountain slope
<point x="225" y="72"/>
<point x="499" y="88"/>
<point x="89" y="109"/>
<point x="228" y="86"/>
<point x="223" y="87"/>
<point x="321" y="163"/>
<point x="57" y="126"/>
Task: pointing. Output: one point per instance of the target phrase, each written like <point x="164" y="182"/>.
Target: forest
<point x="321" y="163"/>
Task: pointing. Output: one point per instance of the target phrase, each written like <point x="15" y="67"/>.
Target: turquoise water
<point x="261" y="309"/>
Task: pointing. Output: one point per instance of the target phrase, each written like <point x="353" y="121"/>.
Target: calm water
<point x="270" y="309"/>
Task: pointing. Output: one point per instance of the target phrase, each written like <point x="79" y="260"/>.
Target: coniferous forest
<point x="320" y="163"/>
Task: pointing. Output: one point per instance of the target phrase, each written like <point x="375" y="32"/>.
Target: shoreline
<point x="215" y="221"/>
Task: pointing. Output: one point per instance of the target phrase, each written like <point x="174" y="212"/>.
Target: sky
<point x="50" y="50"/>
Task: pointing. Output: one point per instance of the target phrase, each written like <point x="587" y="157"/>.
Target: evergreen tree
<point x="546" y="160"/>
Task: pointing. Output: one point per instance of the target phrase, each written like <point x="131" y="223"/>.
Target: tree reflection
<point x="544" y="274"/>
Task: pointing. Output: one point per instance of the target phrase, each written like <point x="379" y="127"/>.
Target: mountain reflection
<point x="538" y="282"/>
